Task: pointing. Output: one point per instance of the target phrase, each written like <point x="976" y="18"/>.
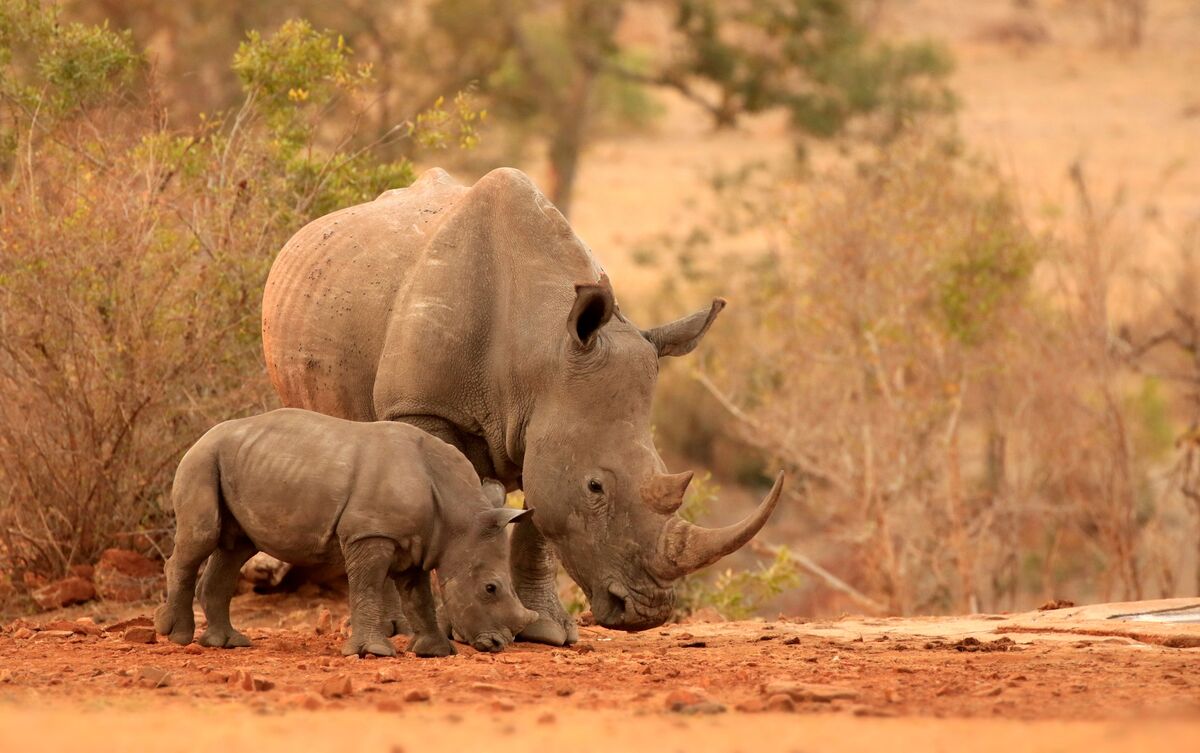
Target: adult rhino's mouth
<point x="619" y="607"/>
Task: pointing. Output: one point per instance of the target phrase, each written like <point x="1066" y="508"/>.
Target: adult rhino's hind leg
<point x="535" y="575"/>
<point x="217" y="589"/>
<point x="368" y="566"/>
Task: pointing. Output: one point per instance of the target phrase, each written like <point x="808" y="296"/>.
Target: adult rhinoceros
<point x="476" y="314"/>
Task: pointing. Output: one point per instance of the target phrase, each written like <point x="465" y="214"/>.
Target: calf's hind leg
<point x="216" y="591"/>
<point x="368" y="565"/>
<point x="197" y="528"/>
<point x="394" y="621"/>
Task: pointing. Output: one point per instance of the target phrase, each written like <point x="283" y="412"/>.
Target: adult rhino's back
<point x="331" y="290"/>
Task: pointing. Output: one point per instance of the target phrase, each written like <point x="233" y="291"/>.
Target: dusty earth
<point x="1067" y="679"/>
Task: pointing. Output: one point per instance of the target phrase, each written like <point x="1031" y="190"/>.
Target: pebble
<point x="140" y="634"/>
<point x="780" y="702"/>
<point x="54" y="634"/>
<point x="72" y="627"/>
<point x="23" y="633"/>
<point x="503" y="705"/>
<point x="154" y="677"/>
<point x="416" y="695"/>
<point x="692" y="701"/>
<point x="309" y="700"/>
<point x="803" y="691"/>
<point x="324" y="621"/>
<point x="246" y="680"/>
<point x="337" y="686"/>
<point x="486" y="687"/>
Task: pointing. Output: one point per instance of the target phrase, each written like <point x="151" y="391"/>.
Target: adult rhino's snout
<point x="618" y="608"/>
<point x="683" y="547"/>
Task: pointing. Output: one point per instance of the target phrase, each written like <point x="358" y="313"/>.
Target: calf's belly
<point x="297" y="527"/>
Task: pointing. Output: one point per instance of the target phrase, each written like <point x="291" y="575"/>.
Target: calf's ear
<point x="594" y="306"/>
<point x="502" y="516"/>
<point x="680" y="337"/>
<point x="494" y="491"/>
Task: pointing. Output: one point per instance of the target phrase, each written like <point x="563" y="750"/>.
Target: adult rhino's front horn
<point x="685" y="548"/>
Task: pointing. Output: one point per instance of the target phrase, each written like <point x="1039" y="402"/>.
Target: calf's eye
<point x="594" y="486"/>
<point x="490" y="588"/>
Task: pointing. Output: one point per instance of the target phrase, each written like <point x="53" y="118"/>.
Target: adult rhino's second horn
<point x="685" y="548"/>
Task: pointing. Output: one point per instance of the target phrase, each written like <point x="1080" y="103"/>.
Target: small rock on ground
<point x="803" y="691"/>
<point x="337" y="686"/>
<point x="691" y="701"/>
<point x="140" y="634"/>
<point x="153" y="677"/>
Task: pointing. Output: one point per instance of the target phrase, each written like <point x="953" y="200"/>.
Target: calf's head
<point x="474" y="577"/>
<point x="602" y="493"/>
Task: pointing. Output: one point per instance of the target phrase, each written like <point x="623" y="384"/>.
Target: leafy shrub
<point x="958" y="409"/>
<point x="132" y="259"/>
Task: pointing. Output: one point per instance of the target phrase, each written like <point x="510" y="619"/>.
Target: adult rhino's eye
<point x="490" y="588"/>
<point x="594" y="486"/>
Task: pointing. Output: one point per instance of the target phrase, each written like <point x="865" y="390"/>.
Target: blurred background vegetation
<point x="960" y="246"/>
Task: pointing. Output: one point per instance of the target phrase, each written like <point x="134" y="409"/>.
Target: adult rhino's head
<point x="603" y="495"/>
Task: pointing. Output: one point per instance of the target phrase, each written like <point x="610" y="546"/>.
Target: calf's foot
<point x="431" y="645"/>
<point x="374" y="645"/>
<point x="178" y="625"/>
<point x="217" y="637"/>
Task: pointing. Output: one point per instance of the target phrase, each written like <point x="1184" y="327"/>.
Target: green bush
<point x="133" y="254"/>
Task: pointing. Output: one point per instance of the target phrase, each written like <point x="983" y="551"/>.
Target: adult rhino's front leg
<point x="535" y="576"/>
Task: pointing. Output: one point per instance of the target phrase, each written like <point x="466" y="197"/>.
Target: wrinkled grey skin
<point x="386" y="500"/>
<point x="477" y="314"/>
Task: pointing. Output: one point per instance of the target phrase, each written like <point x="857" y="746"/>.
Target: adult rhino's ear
<point x="494" y="491"/>
<point x="594" y="306"/>
<point x="502" y="516"/>
<point x="681" y="336"/>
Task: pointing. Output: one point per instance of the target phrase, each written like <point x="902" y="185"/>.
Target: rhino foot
<point x="431" y="645"/>
<point x="179" y="628"/>
<point x="375" y="646"/>
<point x="556" y="630"/>
<point x="218" y="638"/>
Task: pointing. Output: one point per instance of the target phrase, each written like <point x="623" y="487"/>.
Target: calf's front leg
<point x="368" y="564"/>
<point x="420" y="609"/>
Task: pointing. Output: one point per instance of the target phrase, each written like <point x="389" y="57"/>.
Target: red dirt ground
<point x="1043" y="667"/>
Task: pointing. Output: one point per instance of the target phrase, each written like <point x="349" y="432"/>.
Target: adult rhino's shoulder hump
<point x="433" y="180"/>
<point x="434" y="177"/>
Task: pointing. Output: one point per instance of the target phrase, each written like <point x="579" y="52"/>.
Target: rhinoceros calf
<point x="385" y="499"/>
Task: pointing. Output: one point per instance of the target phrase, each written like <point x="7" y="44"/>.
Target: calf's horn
<point x="685" y="548"/>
